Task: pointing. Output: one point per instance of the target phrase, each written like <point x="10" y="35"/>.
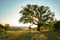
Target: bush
<point x="1" y="28"/>
<point x="57" y="25"/>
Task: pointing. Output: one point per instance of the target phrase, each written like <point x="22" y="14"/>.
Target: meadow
<point x="28" y="35"/>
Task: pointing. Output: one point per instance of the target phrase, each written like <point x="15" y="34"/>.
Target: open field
<point x="26" y="35"/>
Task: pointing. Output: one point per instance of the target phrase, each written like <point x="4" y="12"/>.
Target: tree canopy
<point x="38" y="15"/>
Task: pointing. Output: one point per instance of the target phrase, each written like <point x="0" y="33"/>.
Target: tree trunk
<point x="39" y="25"/>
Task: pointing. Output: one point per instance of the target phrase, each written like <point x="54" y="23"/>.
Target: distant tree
<point x="7" y="27"/>
<point x="38" y="15"/>
<point x="1" y="28"/>
<point x="57" y="25"/>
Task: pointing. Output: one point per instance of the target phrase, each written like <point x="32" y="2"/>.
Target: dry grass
<point x="28" y="35"/>
<point x="16" y="33"/>
<point x="39" y="37"/>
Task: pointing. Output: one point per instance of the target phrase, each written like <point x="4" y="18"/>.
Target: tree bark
<point x="39" y="25"/>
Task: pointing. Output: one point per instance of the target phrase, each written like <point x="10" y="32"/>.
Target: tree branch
<point x="34" y="23"/>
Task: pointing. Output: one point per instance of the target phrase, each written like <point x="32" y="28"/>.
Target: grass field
<point x="27" y="35"/>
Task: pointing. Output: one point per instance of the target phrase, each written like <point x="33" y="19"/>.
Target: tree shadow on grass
<point x="51" y="35"/>
<point x="30" y="36"/>
<point x="33" y="36"/>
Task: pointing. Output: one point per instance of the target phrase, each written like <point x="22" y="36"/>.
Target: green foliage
<point x="7" y="27"/>
<point x="4" y="28"/>
<point x="51" y="26"/>
<point x="57" y="25"/>
<point x="38" y="15"/>
<point x="1" y="28"/>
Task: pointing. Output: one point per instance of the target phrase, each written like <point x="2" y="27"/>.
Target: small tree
<point x="38" y="15"/>
<point x="7" y="27"/>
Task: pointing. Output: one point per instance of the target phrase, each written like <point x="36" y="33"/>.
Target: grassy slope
<point x="52" y="35"/>
<point x="26" y="35"/>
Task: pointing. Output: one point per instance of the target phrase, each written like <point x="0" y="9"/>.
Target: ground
<point x="27" y="35"/>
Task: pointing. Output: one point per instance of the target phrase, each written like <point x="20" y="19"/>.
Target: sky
<point x="9" y="9"/>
